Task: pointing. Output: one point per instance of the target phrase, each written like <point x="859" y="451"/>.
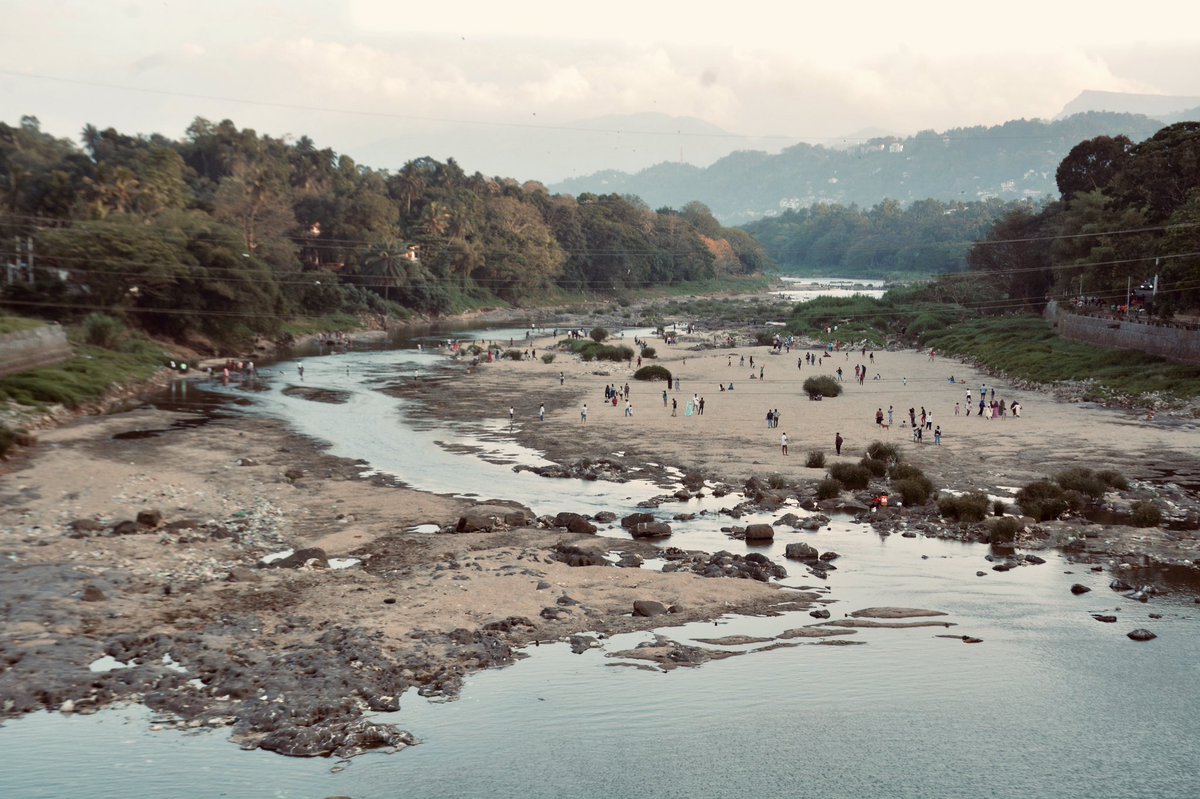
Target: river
<point x="1051" y="704"/>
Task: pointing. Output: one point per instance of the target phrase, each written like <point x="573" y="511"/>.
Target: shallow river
<point x="1051" y="704"/>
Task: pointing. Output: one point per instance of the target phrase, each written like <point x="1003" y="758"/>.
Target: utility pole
<point x="29" y="256"/>
<point x="1128" y="285"/>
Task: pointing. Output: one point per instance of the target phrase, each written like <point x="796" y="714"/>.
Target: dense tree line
<point x="227" y="231"/>
<point x="1127" y="212"/>
<point x="887" y="240"/>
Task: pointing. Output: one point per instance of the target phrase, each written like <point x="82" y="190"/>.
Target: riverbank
<point x="290" y="658"/>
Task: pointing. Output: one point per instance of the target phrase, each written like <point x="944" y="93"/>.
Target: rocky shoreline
<point x="139" y="566"/>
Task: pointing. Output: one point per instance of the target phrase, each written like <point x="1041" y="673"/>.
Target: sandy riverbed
<point x="250" y="487"/>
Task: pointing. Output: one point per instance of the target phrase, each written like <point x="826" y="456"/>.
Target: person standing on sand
<point x="511" y="412"/>
<point x="968" y="402"/>
<point x="879" y="416"/>
<point x="583" y="413"/>
<point x="542" y="412"/>
<point x="937" y="435"/>
<point x="561" y="377"/>
<point x="837" y="443"/>
<point x="982" y="404"/>
<point x="957" y="409"/>
<point x="299" y="368"/>
<point x="674" y="406"/>
<point x="783" y="442"/>
<point x="664" y="398"/>
<point x="889" y="416"/>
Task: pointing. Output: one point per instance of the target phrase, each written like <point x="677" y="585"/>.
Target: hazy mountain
<point x="1010" y="161"/>
<point x="1159" y="106"/>
<point x="553" y="152"/>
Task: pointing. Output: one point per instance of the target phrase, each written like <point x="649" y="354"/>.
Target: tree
<point x="1091" y="165"/>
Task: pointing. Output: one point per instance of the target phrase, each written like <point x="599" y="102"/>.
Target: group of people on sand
<point x="988" y="407"/>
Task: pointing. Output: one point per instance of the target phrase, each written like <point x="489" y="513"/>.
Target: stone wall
<point x="1173" y="342"/>
<point x="31" y="349"/>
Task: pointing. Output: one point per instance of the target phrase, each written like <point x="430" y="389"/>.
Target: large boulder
<point x="493" y="516"/>
<point x="1141" y="634"/>
<point x="801" y="551"/>
<point x="648" y="607"/>
<point x="634" y="519"/>
<point x="574" y="522"/>
<point x="760" y="532"/>
<point x="650" y="530"/>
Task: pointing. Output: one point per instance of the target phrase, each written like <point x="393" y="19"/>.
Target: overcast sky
<point x="389" y="81"/>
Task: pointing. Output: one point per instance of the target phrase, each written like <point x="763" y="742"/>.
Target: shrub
<point x="598" y="334"/>
<point x="649" y="352"/>
<point x="102" y="330"/>
<point x="828" y="488"/>
<point x="904" y="471"/>
<point x="815" y="460"/>
<point x="1081" y="480"/>
<point x="1003" y="530"/>
<point x="851" y="475"/>
<point x="972" y="507"/>
<point x="999" y="508"/>
<point x="913" y="490"/>
<point x="7" y="437"/>
<point x="547" y="357"/>
<point x="777" y="481"/>
<point x="1113" y="479"/>
<point x="514" y="355"/>
<point x="877" y="468"/>
<point x="1042" y="500"/>
<point x="1146" y="514"/>
<point x="653" y="372"/>
<point x="1076" y="500"/>
<point x="888" y="453"/>
<point x="824" y="385"/>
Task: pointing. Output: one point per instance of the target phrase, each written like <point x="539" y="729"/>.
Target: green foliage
<point x="102" y="330"/>
<point x="823" y="385"/>
<point x="888" y="453"/>
<point x="598" y="334"/>
<point x="1146" y="514"/>
<point x="877" y="468"/>
<point x="829" y="488"/>
<point x="1003" y="530"/>
<point x="7" y="439"/>
<point x="649" y="352"/>
<point x="653" y="372"/>
<point x="777" y="481"/>
<point x="86" y="377"/>
<point x="547" y="357"/>
<point x="904" y="471"/>
<point x="15" y="324"/>
<point x="914" y="491"/>
<point x="1042" y="499"/>
<point x="850" y="475"/>
<point x="514" y="355"/>
<point x="999" y="508"/>
<point x="972" y="507"/>
<point x="1082" y="480"/>
<point x="815" y="459"/>
<point x="1113" y="479"/>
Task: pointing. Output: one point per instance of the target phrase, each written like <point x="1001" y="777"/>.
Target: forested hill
<point x="226" y="232"/>
<point x="1011" y="161"/>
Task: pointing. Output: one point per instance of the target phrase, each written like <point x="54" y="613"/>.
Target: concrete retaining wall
<point x="1175" y="343"/>
<point x="32" y="349"/>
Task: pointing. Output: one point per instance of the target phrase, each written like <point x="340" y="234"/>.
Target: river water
<point x="1051" y="704"/>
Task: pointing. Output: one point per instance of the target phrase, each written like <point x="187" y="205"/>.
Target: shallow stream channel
<point x="1049" y="703"/>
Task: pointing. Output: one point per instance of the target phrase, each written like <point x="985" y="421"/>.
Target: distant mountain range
<point x="1168" y="108"/>
<point x="1009" y="161"/>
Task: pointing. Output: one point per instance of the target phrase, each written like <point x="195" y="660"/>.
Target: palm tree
<point x="387" y="262"/>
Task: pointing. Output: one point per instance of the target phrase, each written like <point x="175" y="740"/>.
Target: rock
<point x="149" y="518"/>
<point x="67" y="707"/>
<point x="1079" y="589"/>
<point x="819" y="614"/>
<point x="575" y="523"/>
<point x="181" y="524"/>
<point x="554" y="614"/>
<point x="293" y="475"/>
<point x="246" y="462"/>
<point x="801" y="551"/>
<point x="582" y="643"/>
<point x="240" y="574"/>
<point x="1120" y="585"/>
<point x="760" y="532"/>
<point x="630" y="560"/>
<point x="508" y="624"/>
<point x="646" y="607"/>
<point x="1103" y="618"/>
<point x="126" y="527"/>
<point x="651" y="530"/>
<point x="576" y="556"/>
<point x="82" y="528"/>
<point x="605" y="516"/>
<point x="634" y="519"/>
<point x="93" y="594"/>
<point x="967" y="639"/>
<point x="472" y="522"/>
<point x="981" y="574"/>
<point x="310" y="556"/>
<point x="830" y="555"/>
<point x="1036" y="560"/>
<point x="1141" y="634"/>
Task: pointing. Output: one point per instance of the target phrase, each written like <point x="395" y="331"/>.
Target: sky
<point x="507" y="88"/>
